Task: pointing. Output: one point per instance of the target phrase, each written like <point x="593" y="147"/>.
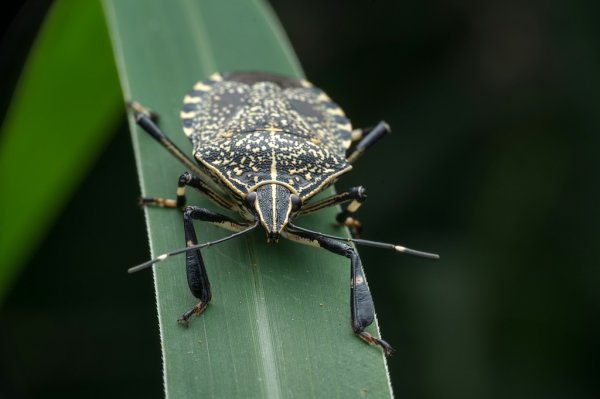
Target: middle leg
<point x="188" y="179"/>
<point x="357" y="195"/>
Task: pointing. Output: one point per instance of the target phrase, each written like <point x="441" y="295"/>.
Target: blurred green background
<point x="492" y="163"/>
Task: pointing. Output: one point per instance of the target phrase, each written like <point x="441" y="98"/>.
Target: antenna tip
<point x="409" y="251"/>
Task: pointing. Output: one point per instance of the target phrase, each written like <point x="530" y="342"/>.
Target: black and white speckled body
<point x="247" y="132"/>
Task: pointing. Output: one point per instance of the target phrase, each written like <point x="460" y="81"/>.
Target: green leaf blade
<point x="278" y="324"/>
<point x="63" y="111"/>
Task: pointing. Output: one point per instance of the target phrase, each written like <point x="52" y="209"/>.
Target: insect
<point x="263" y="146"/>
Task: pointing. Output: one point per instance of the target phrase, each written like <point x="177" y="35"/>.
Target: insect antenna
<point x="164" y="256"/>
<point x="376" y="244"/>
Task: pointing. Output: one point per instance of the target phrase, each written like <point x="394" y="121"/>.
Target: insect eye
<point x="251" y="199"/>
<point x="296" y="202"/>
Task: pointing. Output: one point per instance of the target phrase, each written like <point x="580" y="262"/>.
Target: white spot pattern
<point x="244" y="130"/>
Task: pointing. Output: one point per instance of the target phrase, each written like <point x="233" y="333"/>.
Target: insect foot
<point x="368" y="338"/>
<point x="196" y="310"/>
<point x="140" y="109"/>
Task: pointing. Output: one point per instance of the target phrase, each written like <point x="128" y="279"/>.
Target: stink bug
<point x="264" y="145"/>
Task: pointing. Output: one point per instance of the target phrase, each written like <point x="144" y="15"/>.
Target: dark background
<point x="492" y="163"/>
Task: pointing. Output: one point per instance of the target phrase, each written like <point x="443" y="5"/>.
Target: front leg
<point x="196" y="271"/>
<point x="361" y="302"/>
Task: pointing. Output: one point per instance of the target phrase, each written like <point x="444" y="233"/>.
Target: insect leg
<point x="367" y="138"/>
<point x="357" y="194"/>
<point x="146" y="121"/>
<point x="361" y="302"/>
<point x="187" y="179"/>
<point x="195" y="268"/>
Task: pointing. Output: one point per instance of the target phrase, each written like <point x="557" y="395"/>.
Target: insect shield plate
<point x="250" y="128"/>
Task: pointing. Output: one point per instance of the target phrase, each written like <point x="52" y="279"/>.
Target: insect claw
<point x="183" y="322"/>
<point x="143" y="201"/>
<point x="388" y="350"/>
